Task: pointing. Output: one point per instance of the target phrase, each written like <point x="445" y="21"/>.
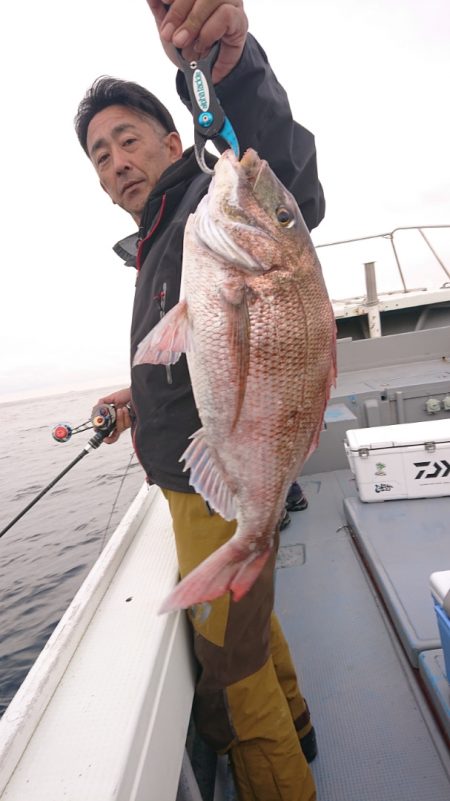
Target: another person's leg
<point x="295" y="500"/>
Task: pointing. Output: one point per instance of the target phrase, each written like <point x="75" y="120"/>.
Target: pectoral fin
<point x="165" y="343"/>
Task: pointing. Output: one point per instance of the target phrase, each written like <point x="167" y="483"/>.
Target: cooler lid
<point x="440" y="585"/>
<point x="403" y="434"/>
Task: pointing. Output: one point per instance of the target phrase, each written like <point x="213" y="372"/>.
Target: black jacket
<point x="259" y="111"/>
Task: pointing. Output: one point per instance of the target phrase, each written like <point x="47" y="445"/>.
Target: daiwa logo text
<point x="201" y="90"/>
<point x="433" y="469"/>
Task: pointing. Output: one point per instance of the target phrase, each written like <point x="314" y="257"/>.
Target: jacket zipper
<point x="161" y="300"/>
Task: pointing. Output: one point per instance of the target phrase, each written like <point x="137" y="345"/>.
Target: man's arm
<point x="259" y="110"/>
<point x="254" y="101"/>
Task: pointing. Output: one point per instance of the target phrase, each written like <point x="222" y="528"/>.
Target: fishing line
<point x="102" y="544"/>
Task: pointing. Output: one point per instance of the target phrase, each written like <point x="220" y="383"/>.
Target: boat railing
<point x="403" y="267"/>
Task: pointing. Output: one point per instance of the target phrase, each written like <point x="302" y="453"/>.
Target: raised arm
<point x="253" y="99"/>
<point x="259" y="110"/>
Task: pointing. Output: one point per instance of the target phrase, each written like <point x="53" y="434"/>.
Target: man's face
<point x="129" y="152"/>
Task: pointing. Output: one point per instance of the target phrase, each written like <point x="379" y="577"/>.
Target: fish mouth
<point x="222" y="221"/>
<point x="248" y="169"/>
<point x="253" y="166"/>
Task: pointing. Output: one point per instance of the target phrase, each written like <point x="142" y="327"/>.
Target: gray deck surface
<point x="404" y="542"/>
<point x="377" y="741"/>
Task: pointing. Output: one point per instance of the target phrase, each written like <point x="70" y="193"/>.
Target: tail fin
<point x="231" y="567"/>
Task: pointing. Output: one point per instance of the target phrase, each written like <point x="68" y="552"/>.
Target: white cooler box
<point x="410" y="460"/>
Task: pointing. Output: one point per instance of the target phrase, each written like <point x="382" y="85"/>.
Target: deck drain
<point x="291" y="555"/>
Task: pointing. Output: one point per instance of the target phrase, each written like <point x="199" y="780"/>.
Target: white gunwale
<point x="110" y="673"/>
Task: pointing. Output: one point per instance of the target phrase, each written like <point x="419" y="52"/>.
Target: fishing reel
<point x="102" y="420"/>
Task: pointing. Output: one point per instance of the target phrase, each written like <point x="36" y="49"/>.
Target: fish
<point x="258" y="329"/>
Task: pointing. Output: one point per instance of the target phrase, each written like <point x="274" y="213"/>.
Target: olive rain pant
<point x="247" y="700"/>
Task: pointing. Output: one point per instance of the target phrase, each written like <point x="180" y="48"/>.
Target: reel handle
<point x="102" y="420"/>
<point x="103" y="417"/>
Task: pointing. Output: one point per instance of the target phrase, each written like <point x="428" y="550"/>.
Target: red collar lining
<point x="151" y="232"/>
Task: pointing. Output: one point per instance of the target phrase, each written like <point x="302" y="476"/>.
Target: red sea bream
<point x="258" y="329"/>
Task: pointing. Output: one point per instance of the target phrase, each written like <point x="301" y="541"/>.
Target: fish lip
<point x="250" y="164"/>
<point x="253" y="166"/>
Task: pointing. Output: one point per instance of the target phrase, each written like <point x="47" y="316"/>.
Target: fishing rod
<point x="102" y="420"/>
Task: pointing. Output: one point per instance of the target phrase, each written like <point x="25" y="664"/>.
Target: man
<point x="247" y="699"/>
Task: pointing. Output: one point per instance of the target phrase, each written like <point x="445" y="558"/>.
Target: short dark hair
<point x="107" y="91"/>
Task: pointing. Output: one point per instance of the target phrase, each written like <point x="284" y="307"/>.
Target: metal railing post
<point x="373" y="308"/>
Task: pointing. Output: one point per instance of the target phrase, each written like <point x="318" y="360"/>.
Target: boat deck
<point x="377" y="738"/>
<point x="114" y="717"/>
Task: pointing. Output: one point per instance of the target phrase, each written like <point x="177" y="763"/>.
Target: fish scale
<point x="258" y="330"/>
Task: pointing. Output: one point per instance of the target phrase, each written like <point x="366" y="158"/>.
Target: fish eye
<point x="285" y="217"/>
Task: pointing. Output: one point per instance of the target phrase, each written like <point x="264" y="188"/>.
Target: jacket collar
<point x="172" y="184"/>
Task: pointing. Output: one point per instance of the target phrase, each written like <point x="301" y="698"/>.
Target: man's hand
<point x="195" y="25"/>
<point x="120" y="399"/>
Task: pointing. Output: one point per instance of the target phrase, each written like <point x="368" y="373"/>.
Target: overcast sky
<point x="370" y="78"/>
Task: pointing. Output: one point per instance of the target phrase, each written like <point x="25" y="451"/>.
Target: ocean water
<point x="46" y="555"/>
